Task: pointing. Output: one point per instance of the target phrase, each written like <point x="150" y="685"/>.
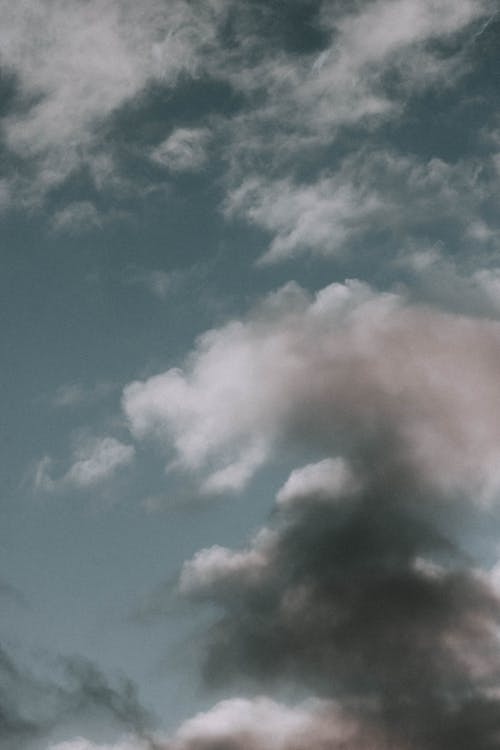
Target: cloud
<point x="183" y="151"/>
<point x="362" y="599"/>
<point x="32" y="708"/>
<point x="329" y="479"/>
<point x="410" y="385"/>
<point x="263" y="723"/>
<point x="321" y="216"/>
<point x="76" y="394"/>
<point x="210" y="565"/>
<point x="75" y="64"/>
<point x="382" y="193"/>
<point x="98" y="459"/>
<point x="163" y="284"/>
<point x="81" y="744"/>
<point x="94" y="460"/>
<point x="76" y="217"/>
<point x="243" y="724"/>
<point x="374" y="57"/>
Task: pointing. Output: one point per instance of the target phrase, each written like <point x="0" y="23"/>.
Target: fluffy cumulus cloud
<point x="408" y="388"/>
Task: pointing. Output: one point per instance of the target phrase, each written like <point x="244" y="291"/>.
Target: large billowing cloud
<point x="356" y="590"/>
<point x="408" y="389"/>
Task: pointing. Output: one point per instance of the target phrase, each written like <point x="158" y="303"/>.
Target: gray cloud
<point x="362" y="599"/>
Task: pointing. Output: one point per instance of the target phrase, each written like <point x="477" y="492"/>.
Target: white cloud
<point x="98" y="459"/>
<point x="265" y="723"/>
<point x="457" y="283"/>
<point x="372" y="191"/>
<point x="328" y="479"/>
<point x="76" y="63"/>
<point x="416" y="384"/>
<point x="93" y="460"/>
<point x="304" y="100"/>
<point x="321" y="216"/>
<point x="215" y="563"/>
<point x="79" y="743"/>
<point x="185" y="150"/>
<point x="241" y="723"/>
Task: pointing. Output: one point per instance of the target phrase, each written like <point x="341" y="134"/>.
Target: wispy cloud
<point x="75" y="697"/>
<point x="76" y="64"/>
<point x="185" y="150"/>
<point x="93" y="460"/>
<point x="378" y="192"/>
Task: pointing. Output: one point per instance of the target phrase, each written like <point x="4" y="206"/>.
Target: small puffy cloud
<point x="326" y="480"/>
<point x="185" y="150"/>
<point x="218" y="563"/>
<point x="93" y="460"/>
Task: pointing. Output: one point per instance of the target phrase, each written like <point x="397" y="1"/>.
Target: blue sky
<point x="250" y="322"/>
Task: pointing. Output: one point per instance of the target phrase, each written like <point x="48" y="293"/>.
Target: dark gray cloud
<point x="365" y="602"/>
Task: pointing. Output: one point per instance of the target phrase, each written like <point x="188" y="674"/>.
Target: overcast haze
<point x="250" y="292"/>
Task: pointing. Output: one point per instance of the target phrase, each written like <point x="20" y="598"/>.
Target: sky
<point x="250" y="325"/>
